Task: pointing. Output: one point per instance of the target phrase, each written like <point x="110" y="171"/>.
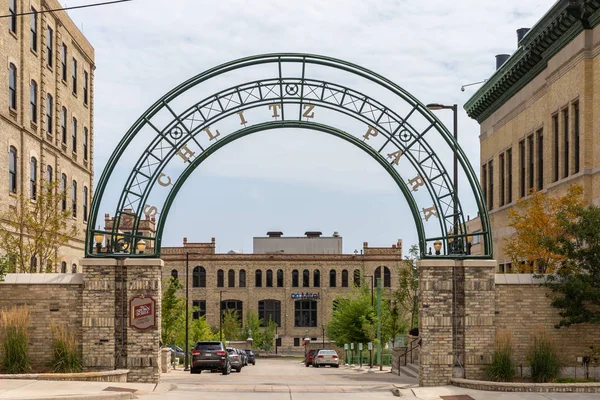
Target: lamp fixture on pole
<point x="454" y="108"/>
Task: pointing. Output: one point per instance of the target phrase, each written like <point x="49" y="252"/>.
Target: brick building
<point x="46" y="112"/>
<point x="539" y="130"/>
<point x="293" y="280"/>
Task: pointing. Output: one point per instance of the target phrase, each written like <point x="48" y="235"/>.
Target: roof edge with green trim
<point x="559" y="26"/>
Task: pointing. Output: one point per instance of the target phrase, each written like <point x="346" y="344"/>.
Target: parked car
<point x="176" y="350"/>
<point x="308" y="358"/>
<point x="237" y="362"/>
<point x="244" y="356"/>
<point x="251" y="357"/>
<point x="212" y="356"/>
<point x="326" y="357"/>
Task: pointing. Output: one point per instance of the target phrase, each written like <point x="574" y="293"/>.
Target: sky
<point x="302" y="180"/>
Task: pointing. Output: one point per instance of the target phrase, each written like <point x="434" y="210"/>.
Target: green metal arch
<point x="305" y="59"/>
<point x="279" y="125"/>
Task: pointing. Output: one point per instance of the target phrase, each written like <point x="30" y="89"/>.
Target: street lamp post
<point x="220" y="316"/>
<point x="454" y="108"/>
<point x="323" y="327"/>
<point x="186" y="364"/>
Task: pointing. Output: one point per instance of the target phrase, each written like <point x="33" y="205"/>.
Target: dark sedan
<point x="251" y="358"/>
<point x="211" y="356"/>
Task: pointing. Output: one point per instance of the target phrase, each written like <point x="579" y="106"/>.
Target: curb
<point x="91" y="396"/>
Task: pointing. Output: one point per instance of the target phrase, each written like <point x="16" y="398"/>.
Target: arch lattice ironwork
<point x="400" y="133"/>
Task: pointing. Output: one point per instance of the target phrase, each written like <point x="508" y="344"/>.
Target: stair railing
<point x="409" y="350"/>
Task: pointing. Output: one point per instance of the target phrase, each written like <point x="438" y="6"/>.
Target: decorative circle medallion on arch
<point x="284" y="91"/>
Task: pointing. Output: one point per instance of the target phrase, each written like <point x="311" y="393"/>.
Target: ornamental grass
<point x="14" y="336"/>
<point x="65" y="355"/>
<point x="502" y="368"/>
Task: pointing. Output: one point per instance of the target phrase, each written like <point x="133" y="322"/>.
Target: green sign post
<point x="379" y="324"/>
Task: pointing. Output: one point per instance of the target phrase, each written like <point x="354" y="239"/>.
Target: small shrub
<point x="575" y="380"/>
<point x="65" y="357"/>
<point x="14" y="334"/>
<point x="502" y="367"/>
<point x="543" y="357"/>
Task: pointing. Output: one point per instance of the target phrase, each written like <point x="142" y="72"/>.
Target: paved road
<point x="277" y="379"/>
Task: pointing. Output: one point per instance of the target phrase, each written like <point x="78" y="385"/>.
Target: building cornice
<point x="558" y="27"/>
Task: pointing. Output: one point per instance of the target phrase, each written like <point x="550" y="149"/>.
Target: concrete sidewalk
<point x="75" y="390"/>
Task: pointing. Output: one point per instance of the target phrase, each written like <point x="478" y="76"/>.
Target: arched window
<point x="305" y="313"/>
<point x="12" y="86"/>
<point x="85" y="204"/>
<point x="269" y="310"/>
<point x="345" y="278"/>
<point x="33" y="264"/>
<point x="279" y="278"/>
<point x="269" y="282"/>
<point x="63" y="125"/>
<point x="33" y="101"/>
<point x="33" y="178"/>
<point x="231" y="278"/>
<point x="305" y="278"/>
<point x="377" y="275"/>
<point x="220" y="278"/>
<point x="63" y="267"/>
<point x="174" y="274"/>
<point x="258" y="278"/>
<point x="49" y="176"/>
<point x="356" y="277"/>
<point x="242" y="278"/>
<point x="49" y="112"/>
<point x="387" y="277"/>
<point x="63" y="188"/>
<point x="74" y="268"/>
<point x="74" y="198"/>
<point x="332" y="278"/>
<point x="12" y="170"/>
<point x="316" y="278"/>
<point x="295" y="278"/>
<point x="199" y="277"/>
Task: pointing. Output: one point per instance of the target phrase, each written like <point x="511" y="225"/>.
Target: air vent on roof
<point x="313" y="234"/>
<point x="521" y="32"/>
<point x="501" y="59"/>
<point x="274" y="234"/>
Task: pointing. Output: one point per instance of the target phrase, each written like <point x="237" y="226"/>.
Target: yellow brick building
<point x="295" y="283"/>
<point x="46" y="112"/>
<point x="539" y="128"/>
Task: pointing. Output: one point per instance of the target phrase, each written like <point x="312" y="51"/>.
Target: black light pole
<point x="220" y="316"/>
<point x="323" y="327"/>
<point x="186" y="366"/>
<point x="454" y="108"/>
<point x="372" y="288"/>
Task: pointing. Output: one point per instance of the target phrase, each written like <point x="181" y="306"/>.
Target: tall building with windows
<point x="538" y="115"/>
<point x="46" y="113"/>
<point x="292" y="280"/>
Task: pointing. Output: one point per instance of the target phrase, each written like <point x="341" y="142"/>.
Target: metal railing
<point x="409" y="350"/>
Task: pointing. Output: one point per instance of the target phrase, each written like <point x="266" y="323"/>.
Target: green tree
<point x="199" y="329"/>
<point x="353" y="319"/>
<point x="231" y="325"/>
<point x="172" y="312"/>
<point x="406" y="296"/>
<point x="36" y="228"/>
<point x="253" y="328"/>
<point x="268" y="338"/>
<point x="577" y="281"/>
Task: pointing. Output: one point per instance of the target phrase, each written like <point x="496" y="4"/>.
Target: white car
<point x="326" y="357"/>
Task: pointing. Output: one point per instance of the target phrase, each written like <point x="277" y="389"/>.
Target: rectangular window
<point x="63" y="61"/>
<point x="12" y="170"/>
<point x="63" y="121"/>
<point x="74" y="135"/>
<point x="201" y="305"/>
<point x="502" y="180"/>
<point x="33" y="179"/>
<point x="540" y="159"/>
<point x="491" y="183"/>
<point x="33" y="101"/>
<point x="12" y="86"/>
<point x="85" y="204"/>
<point x="522" y="168"/>
<point x="531" y="163"/>
<point x="305" y="313"/>
<point x="85" y="143"/>
<point x="509" y="175"/>
<point x="85" y="87"/>
<point x="484" y="182"/>
<point x="74" y="199"/>
<point x="576" y="137"/>
<point x="296" y="342"/>
<point x="49" y="118"/>
<point x="49" y="46"/>
<point x="33" y="29"/>
<point x="555" y="134"/>
<point x="566" y="143"/>
<point x="74" y="75"/>
<point x="12" y="19"/>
